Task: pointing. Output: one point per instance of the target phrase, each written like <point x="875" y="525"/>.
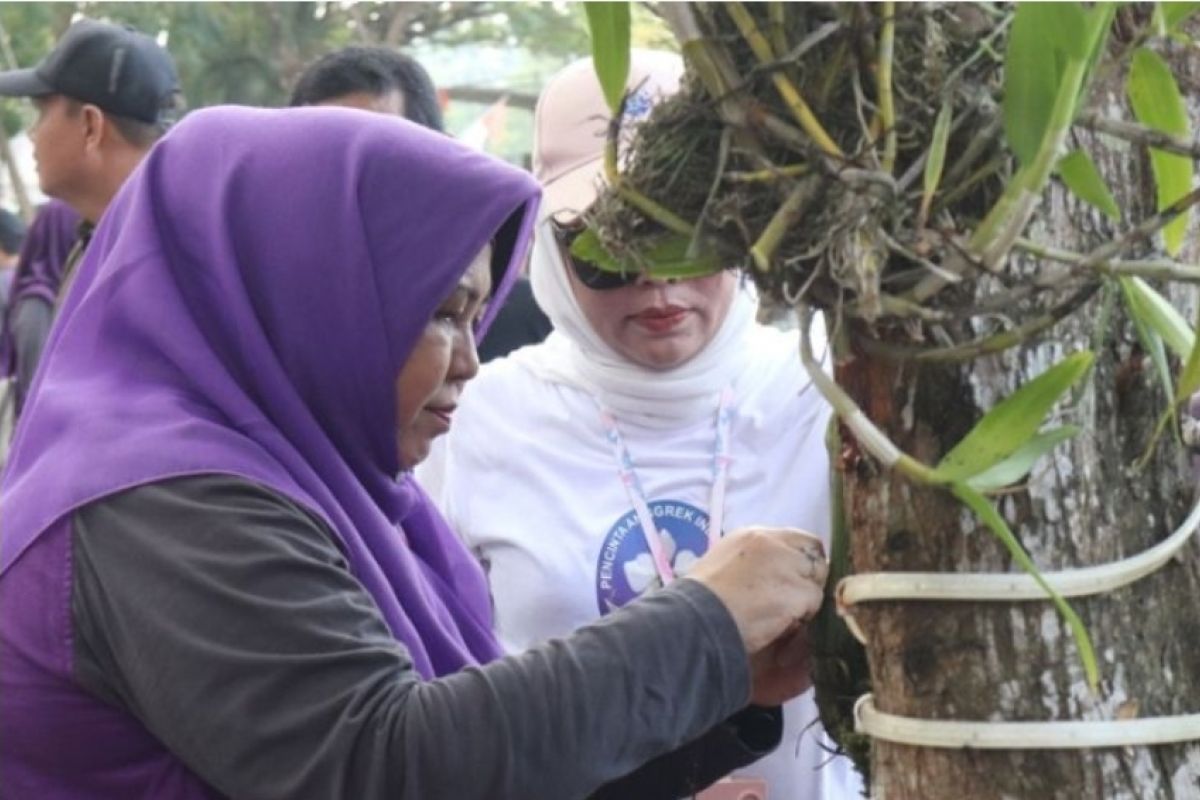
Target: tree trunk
<point x="1082" y="506"/>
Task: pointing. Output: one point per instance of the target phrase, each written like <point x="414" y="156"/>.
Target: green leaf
<point x="1081" y="177"/>
<point x="1159" y="315"/>
<point x="609" y="26"/>
<point x="1172" y="14"/>
<point x="588" y="247"/>
<point x="666" y="259"/>
<point x="937" y="155"/>
<point x="990" y="517"/>
<point x="1032" y="69"/>
<point x="1018" y="465"/>
<point x="1157" y="104"/>
<point x="669" y="258"/>
<point x="1013" y="421"/>
<point x="1069" y="27"/>
<point x="1099" y="21"/>
<point x="1189" y="379"/>
<point x="1141" y="312"/>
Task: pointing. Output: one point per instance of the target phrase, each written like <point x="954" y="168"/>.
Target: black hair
<point x="141" y="135"/>
<point x="12" y="232"/>
<point x="376" y="71"/>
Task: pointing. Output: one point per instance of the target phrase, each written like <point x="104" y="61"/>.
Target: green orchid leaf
<point x="1012" y="422"/>
<point x="666" y="259"/>
<point x="1158" y="313"/>
<point x="1099" y="22"/>
<point x="1172" y="15"/>
<point x="1147" y="321"/>
<point x="1070" y="29"/>
<point x="1084" y="180"/>
<point x="1033" y="67"/>
<point x="1157" y="103"/>
<point x="1189" y="379"/>
<point x="1018" y="465"/>
<point x="671" y="258"/>
<point x="609" y="26"/>
<point x="588" y="247"/>
<point x="937" y="155"/>
<point x="992" y="519"/>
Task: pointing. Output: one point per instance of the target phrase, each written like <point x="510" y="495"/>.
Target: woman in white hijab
<point x="600" y="464"/>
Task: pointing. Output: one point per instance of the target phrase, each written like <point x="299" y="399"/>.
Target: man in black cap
<point x="103" y="96"/>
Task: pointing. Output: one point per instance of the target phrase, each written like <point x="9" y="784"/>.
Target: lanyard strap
<point x="637" y="495"/>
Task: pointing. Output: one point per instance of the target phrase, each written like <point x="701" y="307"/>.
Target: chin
<point x="413" y="453"/>
<point x="668" y="356"/>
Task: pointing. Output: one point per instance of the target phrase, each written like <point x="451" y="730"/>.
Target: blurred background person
<point x="12" y="233"/>
<point x="103" y="96"/>
<point x="35" y="286"/>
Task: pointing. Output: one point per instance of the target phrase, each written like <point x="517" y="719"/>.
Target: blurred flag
<point x="487" y="131"/>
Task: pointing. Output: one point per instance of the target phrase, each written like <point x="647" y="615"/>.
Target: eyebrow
<point x="472" y="294"/>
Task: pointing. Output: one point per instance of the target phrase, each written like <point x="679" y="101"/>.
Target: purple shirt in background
<point x="39" y="272"/>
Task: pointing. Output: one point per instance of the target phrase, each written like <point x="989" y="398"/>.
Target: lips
<point x="444" y="414"/>
<point x="660" y="319"/>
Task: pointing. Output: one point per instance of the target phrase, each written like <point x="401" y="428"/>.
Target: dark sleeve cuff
<point x="723" y="632"/>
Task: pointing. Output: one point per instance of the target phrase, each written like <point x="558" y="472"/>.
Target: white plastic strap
<point x="1007" y="587"/>
<point x="1067" y="735"/>
<point x="983" y="587"/>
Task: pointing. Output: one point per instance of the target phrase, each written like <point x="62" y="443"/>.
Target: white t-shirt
<point x="528" y="478"/>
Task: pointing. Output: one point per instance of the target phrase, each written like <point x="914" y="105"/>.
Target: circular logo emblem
<point x="625" y="568"/>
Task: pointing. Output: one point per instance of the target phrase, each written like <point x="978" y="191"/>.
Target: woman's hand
<point x="771" y="580"/>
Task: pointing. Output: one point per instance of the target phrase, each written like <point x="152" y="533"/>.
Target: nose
<point x="464" y="363"/>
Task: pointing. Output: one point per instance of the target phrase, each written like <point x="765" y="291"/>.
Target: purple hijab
<point x="244" y="308"/>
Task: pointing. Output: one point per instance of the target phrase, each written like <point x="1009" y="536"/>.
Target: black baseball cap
<point x="114" y="67"/>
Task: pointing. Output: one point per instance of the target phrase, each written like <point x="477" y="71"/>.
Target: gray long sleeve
<point x="226" y="619"/>
<point x="31" y="318"/>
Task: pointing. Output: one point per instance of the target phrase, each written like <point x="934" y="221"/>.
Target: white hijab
<point x="575" y="355"/>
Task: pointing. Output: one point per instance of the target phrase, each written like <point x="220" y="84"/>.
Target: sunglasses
<point x="589" y="274"/>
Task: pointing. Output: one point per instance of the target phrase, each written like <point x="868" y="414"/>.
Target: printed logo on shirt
<point x="625" y="568"/>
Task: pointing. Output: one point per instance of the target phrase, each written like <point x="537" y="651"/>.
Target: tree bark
<point x="1083" y="505"/>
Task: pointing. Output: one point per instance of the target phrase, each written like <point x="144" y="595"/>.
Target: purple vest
<point x="57" y="741"/>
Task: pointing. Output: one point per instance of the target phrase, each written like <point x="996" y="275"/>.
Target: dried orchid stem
<point x="1139" y="134"/>
<point x="668" y="219"/>
<point x="1146" y="229"/>
<point x="770" y="175"/>
<point x="887" y="102"/>
<point x="975" y="148"/>
<point x="869" y="436"/>
<point x="764" y="249"/>
<point x="989" y="344"/>
<point x="1162" y="269"/>
<point x="612" y="173"/>
<point x="776" y="17"/>
<point x="791" y="96"/>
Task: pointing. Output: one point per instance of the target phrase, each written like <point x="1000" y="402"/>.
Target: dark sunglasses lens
<point x="593" y="277"/>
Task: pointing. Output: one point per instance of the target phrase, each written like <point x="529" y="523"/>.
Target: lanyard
<point x="637" y="495"/>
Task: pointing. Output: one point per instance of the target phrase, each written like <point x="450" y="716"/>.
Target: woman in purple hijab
<point x="217" y="577"/>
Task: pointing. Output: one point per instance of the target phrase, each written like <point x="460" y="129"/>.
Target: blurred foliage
<point x="252" y="53"/>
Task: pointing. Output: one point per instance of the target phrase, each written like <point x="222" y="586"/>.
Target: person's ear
<point x="95" y="126"/>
